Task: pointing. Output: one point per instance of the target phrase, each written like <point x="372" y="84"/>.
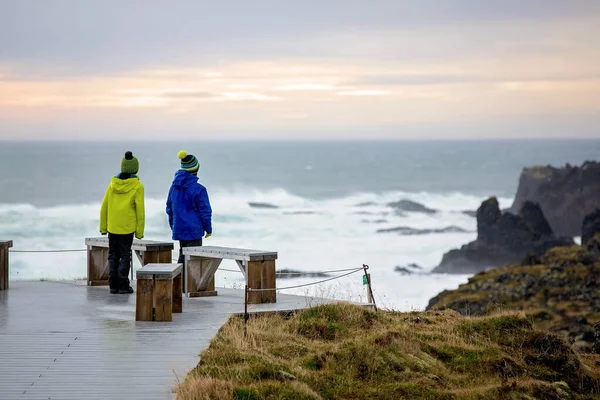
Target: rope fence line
<point x="307" y="284"/>
<point x="366" y="280"/>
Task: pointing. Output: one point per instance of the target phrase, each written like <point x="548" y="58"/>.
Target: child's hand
<point x="103" y="233"/>
<point x="208" y="235"/>
<point x="139" y="237"/>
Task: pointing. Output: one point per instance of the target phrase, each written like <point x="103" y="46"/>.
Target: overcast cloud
<point x="299" y="69"/>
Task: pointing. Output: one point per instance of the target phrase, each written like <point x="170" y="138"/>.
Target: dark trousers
<point x="181" y="259"/>
<point x="119" y="260"/>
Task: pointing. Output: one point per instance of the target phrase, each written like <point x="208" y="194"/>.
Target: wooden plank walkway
<point x="66" y="340"/>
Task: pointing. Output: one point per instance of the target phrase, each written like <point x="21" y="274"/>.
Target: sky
<point x="299" y="69"/>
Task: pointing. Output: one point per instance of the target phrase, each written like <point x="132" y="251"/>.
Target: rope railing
<point x="307" y="284"/>
<point x="367" y="278"/>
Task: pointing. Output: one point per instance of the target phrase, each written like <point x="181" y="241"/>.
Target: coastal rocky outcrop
<point x="408" y="269"/>
<point x="293" y="273"/>
<point x="253" y="204"/>
<point x="558" y="291"/>
<point x="410" y="206"/>
<point x="408" y="231"/>
<point x="503" y="238"/>
<point x="591" y="226"/>
<point x="566" y="195"/>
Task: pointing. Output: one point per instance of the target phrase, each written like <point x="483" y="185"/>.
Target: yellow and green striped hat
<point x="189" y="162"/>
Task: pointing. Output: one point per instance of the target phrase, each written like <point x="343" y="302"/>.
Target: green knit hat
<point x="130" y="164"/>
<point x="189" y="163"/>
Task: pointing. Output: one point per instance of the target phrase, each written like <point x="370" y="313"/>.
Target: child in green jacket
<point x="122" y="216"/>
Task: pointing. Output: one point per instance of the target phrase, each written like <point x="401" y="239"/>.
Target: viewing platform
<point x="67" y="340"/>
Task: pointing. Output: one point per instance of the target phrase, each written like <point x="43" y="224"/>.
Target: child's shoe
<point x="126" y="291"/>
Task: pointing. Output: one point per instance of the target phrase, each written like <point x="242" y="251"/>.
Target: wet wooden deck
<point x="65" y="340"/>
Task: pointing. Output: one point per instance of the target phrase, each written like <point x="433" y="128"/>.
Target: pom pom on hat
<point x="130" y="164"/>
<point x="189" y="163"/>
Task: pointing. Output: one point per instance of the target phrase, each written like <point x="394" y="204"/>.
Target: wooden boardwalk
<point x="65" y="340"/>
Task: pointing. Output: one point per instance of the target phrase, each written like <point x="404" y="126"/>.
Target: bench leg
<point x="196" y="267"/>
<point x="177" y="294"/>
<point x="164" y="300"/>
<point x="268" y="282"/>
<point x="261" y="275"/>
<point x="97" y="268"/>
<point x="144" y="302"/>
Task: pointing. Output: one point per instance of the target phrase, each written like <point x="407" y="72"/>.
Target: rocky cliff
<point x="566" y="195"/>
<point x="503" y="239"/>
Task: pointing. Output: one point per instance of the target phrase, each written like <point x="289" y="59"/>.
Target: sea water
<point x="328" y="200"/>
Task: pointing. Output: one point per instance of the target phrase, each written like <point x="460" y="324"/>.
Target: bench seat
<point x="159" y="293"/>
<point x="146" y="251"/>
<point x="258" y="267"/>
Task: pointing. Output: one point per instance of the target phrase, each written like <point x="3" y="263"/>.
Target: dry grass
<point x="346" y="352"/>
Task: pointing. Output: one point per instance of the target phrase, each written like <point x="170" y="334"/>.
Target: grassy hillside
<point x="347" y="352"/>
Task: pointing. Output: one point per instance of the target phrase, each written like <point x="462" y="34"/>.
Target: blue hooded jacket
<point x="188" y="207"/>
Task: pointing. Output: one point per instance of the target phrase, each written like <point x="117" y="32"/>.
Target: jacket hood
<point x="124" y="185"/>
<point x="184" y="179"/>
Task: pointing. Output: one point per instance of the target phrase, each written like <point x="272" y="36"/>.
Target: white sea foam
<point x="310" y="235"/>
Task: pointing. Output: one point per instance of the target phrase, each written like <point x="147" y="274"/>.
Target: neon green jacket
<point x="122" y="209"/>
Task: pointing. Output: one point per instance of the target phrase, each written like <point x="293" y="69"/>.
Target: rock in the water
<point x="533" y="216"/>
<point x="408" y="269"/>
<point x="261" y="205"/>
<point x="470" y="213"/>
<point x="365" y="204"/>
<point x="591" y="226"/>
<point x="375" y="221"/>
<point x="299" y="213"/>
<point x="566" y="195"/>
<point x="292" y="273"/>
<point x="408" y="231"/>
<point x="411" y="206"/>
<point x="502" y="239"/>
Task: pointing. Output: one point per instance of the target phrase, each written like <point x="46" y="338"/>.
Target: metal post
<point x="245" y="310"/>
<point x="370" y="290"/>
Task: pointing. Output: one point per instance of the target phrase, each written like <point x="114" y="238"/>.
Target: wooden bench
<point x="158" y="293"/>
<point x="4" y="246"/>
<point x="147" y="251"/>
<point x="258" y="267"/>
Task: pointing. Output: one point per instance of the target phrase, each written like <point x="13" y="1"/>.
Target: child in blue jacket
<point x="188" y="206"/>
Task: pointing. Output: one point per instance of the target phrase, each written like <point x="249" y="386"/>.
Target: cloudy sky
<point x="329" y="69"/>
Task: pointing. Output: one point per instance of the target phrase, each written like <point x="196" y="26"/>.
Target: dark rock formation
<point x="292" y="273"/>
<point x="502" y="239"/>
<point x="566" y="195"/>
<point x="597" y="338"/>
<point x="410" y="206"/>
<point x="261" y="205"/>
<point x="408" y="231"/>
<point x="365" y="204"/>
<point x="408" y="269"/>
<point x="591" y="226"/>
<point x="558" y="291"/>
<point x="375" y="221"/>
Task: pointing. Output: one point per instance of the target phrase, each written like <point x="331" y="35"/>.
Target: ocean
<point x="331" y="198"/>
